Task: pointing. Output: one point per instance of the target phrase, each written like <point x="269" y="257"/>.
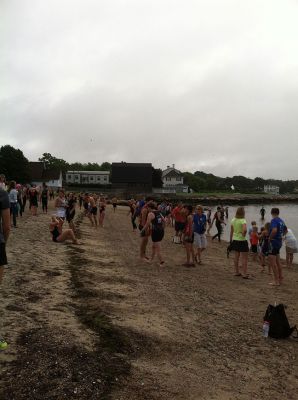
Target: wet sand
<point x="93" y="322"/>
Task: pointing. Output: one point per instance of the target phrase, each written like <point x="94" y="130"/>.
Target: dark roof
<point x="131" y="173"/>
<point x="36" y="169"/>
<point x="38" y="172"/>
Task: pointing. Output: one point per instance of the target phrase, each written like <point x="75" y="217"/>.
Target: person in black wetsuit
<point x="157" y="222"/>
<point x="44" y="198"/>
<point x="71" y="210"/>
<point x="58" y="235"/>
<point x="218" y="223"/>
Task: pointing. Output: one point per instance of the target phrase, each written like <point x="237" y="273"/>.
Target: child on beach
<point x="254" y="241"/>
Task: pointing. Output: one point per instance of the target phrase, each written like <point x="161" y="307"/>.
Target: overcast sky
<point x="207" y="85"/>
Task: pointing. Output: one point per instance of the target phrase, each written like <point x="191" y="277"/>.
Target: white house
<point x="271" y="189"/>
<point x="88" y="177"/>
<point x="173" y="180"/>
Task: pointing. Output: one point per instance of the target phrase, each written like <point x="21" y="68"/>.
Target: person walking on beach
<point x="219" y="220"/>
<point x="4" y="233"/>
<point x="71" y="210"/>
<point x="102" y="211"/>
<point x="199" y="227"/>
<point x="277" y="230"/>
<point x="156" y="224"/>
<point x="238" y="242"/>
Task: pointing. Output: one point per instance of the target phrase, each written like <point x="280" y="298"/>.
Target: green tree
<point x="14" y="165"/>
<point x="53" y="162"/>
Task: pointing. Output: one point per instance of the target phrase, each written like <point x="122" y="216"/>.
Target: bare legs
<point x="67" y="235"/>
<point x="274" y="262"/>
<point x="289" y="259"/>
<point x="244" y="258"/>
<point x="156" y="250"/>
<point x="143" y="246"/>
<point x="190" y="254"/>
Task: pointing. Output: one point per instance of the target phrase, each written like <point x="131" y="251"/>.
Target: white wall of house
<point x="271" y="189"/>
<point x="172" y="177"/>
<point x="87" y="177"/>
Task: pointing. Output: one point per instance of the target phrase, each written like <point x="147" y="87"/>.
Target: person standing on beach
<point x="156" y="224"/>
<point x="13" y="199"/>
<point x="199" y="227"/>
<point x="238" y="242"/>
<point x="44" y="198"/>
<point x="277" y="230"/>
<point x="33" y="196"/>
<point x="4" y="233"/>
<point x="145" y="233"/>
<point x="219" y="220"/>
<point x="180" y="220"/>
<point x="60" y="204"/>
<point x="114" y="203"/>
<point x="291" y="247"/>
<point x="2" y="182"/>
<point x="188" y="237"/>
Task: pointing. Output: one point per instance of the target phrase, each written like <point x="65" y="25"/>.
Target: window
<point x="178" y="178"/>
<point x="91" y="178"/>
<point x="76" y="176"/>
<point x="168" y="179"/>
<point x="98" y="178"/>
<point x="105" y="178"/>
<point x="69" y="176"/>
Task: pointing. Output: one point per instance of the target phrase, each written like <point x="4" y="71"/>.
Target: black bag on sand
<point x="279" y="327"/>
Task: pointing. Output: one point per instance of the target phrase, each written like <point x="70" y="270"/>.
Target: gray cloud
<point x="208" y="87"/>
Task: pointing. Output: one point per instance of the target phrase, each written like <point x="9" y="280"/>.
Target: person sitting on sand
<point x="58" y="235"/>
<point x="238" y="241"/>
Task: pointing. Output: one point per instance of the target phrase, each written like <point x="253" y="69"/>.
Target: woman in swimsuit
<point x="102" y="211"/>
<point x="58" y="235"/>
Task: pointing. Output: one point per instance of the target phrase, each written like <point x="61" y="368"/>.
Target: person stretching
<point x="58" y="235"/>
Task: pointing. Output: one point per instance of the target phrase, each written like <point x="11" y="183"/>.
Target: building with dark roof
<point x="40" y="174"/>
<point x="132" y="177"/>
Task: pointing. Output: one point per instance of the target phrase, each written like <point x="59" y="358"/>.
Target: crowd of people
<point x="190" y="226"/>
<point x="193" y="224"/>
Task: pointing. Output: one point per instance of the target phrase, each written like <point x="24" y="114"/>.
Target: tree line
<point x="15" y="166"/>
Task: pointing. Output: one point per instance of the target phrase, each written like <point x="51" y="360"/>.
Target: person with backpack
<point x="155" y="221"/>
<point x="277" y="230"/>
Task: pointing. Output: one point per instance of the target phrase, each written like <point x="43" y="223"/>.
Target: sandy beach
<point x="93" y="322"/>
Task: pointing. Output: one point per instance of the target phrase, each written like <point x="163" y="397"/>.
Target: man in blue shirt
<point x="199" y="229"/>
<point x="277" y="230"/>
